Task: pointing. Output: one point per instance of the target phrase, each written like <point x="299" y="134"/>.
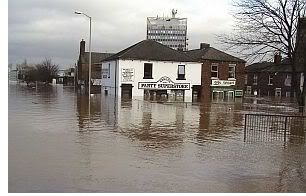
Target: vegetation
<point x="264" y="27"/>
<point x="42" y="72"/>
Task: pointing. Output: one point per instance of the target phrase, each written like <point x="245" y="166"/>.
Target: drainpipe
<point x="116" y="62"/>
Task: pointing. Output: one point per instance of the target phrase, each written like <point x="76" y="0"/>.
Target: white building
<point x="170" y="31"/>
<point x="152" y="71"/>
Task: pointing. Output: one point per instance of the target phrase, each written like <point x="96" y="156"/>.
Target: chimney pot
<point x="277" y="58"/>
<point x="82" y="47"/>
<point x="204" y="45"/>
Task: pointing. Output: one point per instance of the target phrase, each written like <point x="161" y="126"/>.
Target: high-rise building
<point x="170" y="31"/>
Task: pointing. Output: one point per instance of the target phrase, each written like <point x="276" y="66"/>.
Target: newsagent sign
<point x="164" y="83"/>
<point x="223" y="82"/>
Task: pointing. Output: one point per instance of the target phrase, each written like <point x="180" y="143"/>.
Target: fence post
<point x="285" y="129"/>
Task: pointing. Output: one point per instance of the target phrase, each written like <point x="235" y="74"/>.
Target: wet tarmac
<point x="54" y="145"/>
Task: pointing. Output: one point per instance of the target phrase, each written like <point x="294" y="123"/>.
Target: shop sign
<point x="164" y="83"/>
<point x="96" y="81"/>
<point x="127" y="74"/>
<point x="223" y="82"/>
<point x="105" y="73"/>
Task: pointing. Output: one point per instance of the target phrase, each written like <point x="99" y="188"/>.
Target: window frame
<point x="233" y="72"/>
<point x="150" y="76"/>
<point x="213" y="71"/>
<point x="255" y="79"/>
<point x="181" y="76"/>
<point x="270" y="79"/>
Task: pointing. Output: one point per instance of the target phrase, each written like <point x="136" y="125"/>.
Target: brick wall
<point x="223" y="69"/>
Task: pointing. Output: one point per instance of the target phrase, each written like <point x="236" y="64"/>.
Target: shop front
<point x="165" y="90"/>
<point x="224" y="89"/>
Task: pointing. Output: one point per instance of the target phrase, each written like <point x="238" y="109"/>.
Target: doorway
<point x="126" y="91"/>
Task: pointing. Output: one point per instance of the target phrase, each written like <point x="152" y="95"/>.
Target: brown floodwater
<point x="54" y="145"/>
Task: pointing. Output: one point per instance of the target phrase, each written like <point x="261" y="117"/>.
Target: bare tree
<point x="46" y="71"/>
<point x="264" y="27"/>
<point x="43" y="72"/>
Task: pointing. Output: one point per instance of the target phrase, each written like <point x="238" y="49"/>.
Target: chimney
<point x="204" y="45"/>
<point x="277" y="58"/>
<point x="82" y="47"/>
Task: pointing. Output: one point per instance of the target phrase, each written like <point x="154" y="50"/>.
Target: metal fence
<point x="267" y="127"/>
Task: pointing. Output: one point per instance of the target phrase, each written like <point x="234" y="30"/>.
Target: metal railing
<point x="269" y="127"/>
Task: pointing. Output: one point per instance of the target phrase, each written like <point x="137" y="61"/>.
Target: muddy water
<point x="54" y="145"/>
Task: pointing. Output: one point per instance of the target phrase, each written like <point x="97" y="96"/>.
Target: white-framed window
<point x="288" y="80"/>
<point x="181" y="72"/>
<point x="255" y="78"/>
<point x="270" y="79"/>
<point x="278" y="92"/>
<point x="214" y="70"/>
<point x="246" y="79"/>
<point x="232" y="71"/>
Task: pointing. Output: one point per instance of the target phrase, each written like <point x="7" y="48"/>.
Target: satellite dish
<point x="173" y="13"/>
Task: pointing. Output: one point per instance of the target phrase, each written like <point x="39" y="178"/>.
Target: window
<point x="147" y="71"/>
<point x="181" y="72"/>
<point x="245" y="79"/>
<point x="288" y="80"/>
<point x="278" y="92"/>
<point x="270" y="79"/>
<point x="231" y="70"/>
<point x="255" y="77"/>
<point x="249" y="90"/>
<point x="214" y="70"/>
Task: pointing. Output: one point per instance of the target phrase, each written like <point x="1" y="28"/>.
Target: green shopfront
<point x="224" y="89"/>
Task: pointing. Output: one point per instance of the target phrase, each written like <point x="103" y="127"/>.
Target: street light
<point x="89" y="66"/>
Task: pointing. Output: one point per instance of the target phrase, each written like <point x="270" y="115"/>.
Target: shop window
<point x="214" y="70"/>
<point x="255" y="78"/>
<point x="270" y="79"/>
<point x="147" y="71"/>
<point x="181" y="72"/>
<point x="231" y="71"/>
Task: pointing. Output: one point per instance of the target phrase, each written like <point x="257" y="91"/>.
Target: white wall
<point x="109" y="83"/>
<point x="159" y="69"/>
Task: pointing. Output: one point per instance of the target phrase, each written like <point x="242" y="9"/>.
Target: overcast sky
<point x="49" y="28"/>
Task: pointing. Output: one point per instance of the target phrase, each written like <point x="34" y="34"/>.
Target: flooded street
<point x="54" y="145"/>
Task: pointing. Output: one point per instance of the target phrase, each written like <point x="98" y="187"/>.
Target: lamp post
<point x="89" y="65"/>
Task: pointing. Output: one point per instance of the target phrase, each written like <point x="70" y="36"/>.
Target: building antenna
<point x="174" y="12"/>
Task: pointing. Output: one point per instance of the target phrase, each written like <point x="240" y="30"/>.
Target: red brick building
<point x="82" y="68"/>
<point x="271" y="79"/>
<point x="222" y="74"/>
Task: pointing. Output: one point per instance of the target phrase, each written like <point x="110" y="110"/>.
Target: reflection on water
<point x="139" y="146"/>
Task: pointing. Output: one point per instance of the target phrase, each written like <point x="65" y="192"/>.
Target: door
<point x="126" y="91"/>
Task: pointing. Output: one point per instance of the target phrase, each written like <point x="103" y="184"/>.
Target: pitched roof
<point x="258" y="67"/>
<point x="210" y="53"/>
<point x="96" y="57"/>
<point x="151" y="50"/>
<point x="269" y="67"/>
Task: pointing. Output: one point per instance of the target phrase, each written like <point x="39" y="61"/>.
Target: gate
<point x="266" y="127"/>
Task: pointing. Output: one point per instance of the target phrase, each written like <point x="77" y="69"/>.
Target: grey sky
<point x="49" y="28"/>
